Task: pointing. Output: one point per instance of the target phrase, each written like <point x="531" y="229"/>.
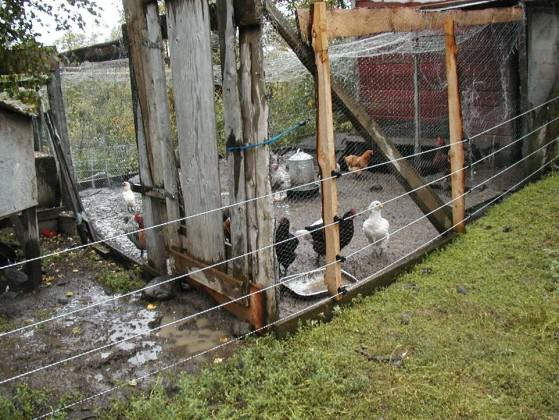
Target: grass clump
<point x="120" y="280"/>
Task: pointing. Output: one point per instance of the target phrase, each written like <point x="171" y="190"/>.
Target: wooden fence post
<point x="325" y="145"/>
<point x="234" y="136"/>
<point x="149" y="88"/>
<point x="456" y="152"/>
<point x="255" y="130"/>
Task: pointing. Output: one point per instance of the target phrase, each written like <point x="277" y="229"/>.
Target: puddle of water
<point x="191" y="338"/>
<point x="146" y="355"/>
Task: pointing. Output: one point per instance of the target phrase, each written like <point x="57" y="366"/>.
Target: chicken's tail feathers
<point x="303" y="234"/>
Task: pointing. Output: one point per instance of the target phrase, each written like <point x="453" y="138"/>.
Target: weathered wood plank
<point x="234" y="136"/>
<point x="426" y="199"/>
<point x="189" y="41"/>
<point x="456" y="152"/>
<point x="255" y="130"/>
<point x="144" y="83"/>
<point x="162" y="130"/>
<point x="85" y="230"/>
<point x="325" y="149"/>
<point x="212" y="278"/>
<point x="31" y="246"/>
<point x="343" y="23"/>
<point x="56" y="105"/>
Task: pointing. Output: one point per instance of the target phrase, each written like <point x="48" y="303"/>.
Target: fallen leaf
<point x="224" y="339"/>
<point x="69" y="294"/>
<point x="218" y="360"/>
<point x="151" y="307"/>
<point x="75" y="270"/>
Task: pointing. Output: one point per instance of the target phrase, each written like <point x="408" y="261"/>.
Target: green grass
<point x="491" y="352"/>
<point x="118" y="279"/>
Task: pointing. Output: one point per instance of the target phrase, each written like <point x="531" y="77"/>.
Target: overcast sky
<point x="109" y="19"/>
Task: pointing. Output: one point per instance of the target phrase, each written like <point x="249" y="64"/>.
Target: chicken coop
<point x="19" y="187"/>
<point x="244" y="195"/>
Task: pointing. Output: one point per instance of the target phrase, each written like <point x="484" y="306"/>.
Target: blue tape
<point x="271" y="140"/>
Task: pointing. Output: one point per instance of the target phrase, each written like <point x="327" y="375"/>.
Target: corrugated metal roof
<point x="442" y="6"/>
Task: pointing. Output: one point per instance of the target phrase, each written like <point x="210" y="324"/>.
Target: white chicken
<point x="279" y="177"/>
<point x="128" y="196"/>
<point x="376" y="228"/>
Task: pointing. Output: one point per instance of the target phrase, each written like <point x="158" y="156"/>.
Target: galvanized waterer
<point x="302" y="174"/>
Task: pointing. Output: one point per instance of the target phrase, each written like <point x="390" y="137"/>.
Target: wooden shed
<point x="18" y="181"/>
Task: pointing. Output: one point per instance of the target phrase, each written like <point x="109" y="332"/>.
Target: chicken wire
<point x="399" y="79"/>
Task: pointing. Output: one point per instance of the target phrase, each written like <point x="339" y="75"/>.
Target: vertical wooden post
<point x="56" y="105"/>
<point x="255" y="130"/>
<point x="234" y="135"/>
<point x="188" y="26"/>
<point x="153" y="134"/>
<point x="456" y="132"/>
<point x="325" y="145"/>
<point x="31" y="247"/>
<point x="417" y="111"/>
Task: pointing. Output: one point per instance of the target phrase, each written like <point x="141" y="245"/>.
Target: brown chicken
<point x="134" y="224"/>
<point x="358" y="163"/>
<point x="441" y="160"/>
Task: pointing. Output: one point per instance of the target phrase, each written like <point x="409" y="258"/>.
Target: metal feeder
<point x="302" y="174"/>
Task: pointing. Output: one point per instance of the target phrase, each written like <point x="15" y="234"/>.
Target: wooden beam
<point x="212" y="278"/>
<point x="85" y="230"/>
<point x="251" y="309"/>
<point x="325" y="147"/>
<point x="426" y="199"/>
<point x="151" y="114"/>
<point x="344" y="23"/>
<point x="56" y="105"/>
<point x="255" y="130"/>
<point x="191" y="64"/>
<point x="234" y="137"/>
<point x="456" y="152"/>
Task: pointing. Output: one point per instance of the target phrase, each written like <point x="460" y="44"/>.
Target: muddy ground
<point x="70" y="283"/>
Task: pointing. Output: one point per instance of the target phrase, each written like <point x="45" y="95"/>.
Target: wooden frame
<point x="359" y="22"/>
<point x="423" y="195"/>
<point x="325" y="147"/>
<point x="456" y="153"/>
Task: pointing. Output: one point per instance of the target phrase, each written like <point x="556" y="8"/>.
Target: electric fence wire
<point x="169" y="222"/>
<point x="97" y="349"/>
<point x="184" y="275"/>
<point x="316" y="304"/>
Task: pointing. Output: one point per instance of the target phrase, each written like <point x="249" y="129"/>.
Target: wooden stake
<point x="456" y="132"/>
<point x="325" y="145"/>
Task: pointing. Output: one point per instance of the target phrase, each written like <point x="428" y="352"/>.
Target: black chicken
<point x="316" y="231"/>
<point x="286" y="244"/>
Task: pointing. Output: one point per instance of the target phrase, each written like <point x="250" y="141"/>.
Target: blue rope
<point x="271" y="140"/>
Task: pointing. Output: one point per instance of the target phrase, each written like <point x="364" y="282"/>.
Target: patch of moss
<point x="120" y="280"/>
